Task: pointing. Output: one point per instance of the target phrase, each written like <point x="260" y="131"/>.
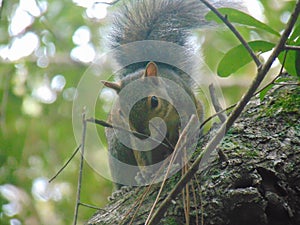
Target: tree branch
<point x="212" y="145"/>
<point x="291" y="47"/>
<point x="84" y="122"/>
<point x="235" y="32"/>
<point x="218" y="108"/>
<point x="108" y="3"/>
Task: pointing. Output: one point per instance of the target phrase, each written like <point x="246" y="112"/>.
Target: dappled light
<point x="20" y="47"/>
<point x="46" y="47"/>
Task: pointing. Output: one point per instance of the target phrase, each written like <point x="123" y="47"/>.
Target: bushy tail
<point x="157" y="20"/>
<point x="162" y="20"/>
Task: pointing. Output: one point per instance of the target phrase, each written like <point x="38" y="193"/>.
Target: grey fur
<point x="158" y="20"/>
<point x="162" y="20"/>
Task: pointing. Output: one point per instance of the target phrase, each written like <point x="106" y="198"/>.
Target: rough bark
<point x="259" y="185"/>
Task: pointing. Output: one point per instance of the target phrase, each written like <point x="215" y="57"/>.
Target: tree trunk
<point x="260" y="184"/>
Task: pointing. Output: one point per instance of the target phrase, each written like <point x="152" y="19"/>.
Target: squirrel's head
<point x="148" y="107"/>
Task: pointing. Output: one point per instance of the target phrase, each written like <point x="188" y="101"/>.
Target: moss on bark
<point x="259" y="185"/>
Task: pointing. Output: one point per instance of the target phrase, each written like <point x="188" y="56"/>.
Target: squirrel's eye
<point x="154" y="102"/>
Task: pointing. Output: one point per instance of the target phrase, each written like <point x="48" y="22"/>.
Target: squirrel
<point x="158" y="22"/>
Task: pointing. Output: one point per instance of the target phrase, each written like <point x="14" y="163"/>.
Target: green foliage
<point x="263" y="93"/>
<point x="36" y="136"/>
<point x="291" y="59"/>
<point x="239" y="17"/>
<point x="238" y="57"/>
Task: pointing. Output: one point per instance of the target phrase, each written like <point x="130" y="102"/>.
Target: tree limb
<point x="211" y="146"/>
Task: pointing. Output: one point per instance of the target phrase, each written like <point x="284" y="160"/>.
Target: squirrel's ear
<point x="151" y="70"/>
<point x="114" y="85"/>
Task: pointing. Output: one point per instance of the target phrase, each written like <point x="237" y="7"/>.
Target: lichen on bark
<point x="259" y="185"/>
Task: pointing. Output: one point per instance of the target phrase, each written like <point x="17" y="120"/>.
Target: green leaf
<point x="238" y="57"/>
<point x="297" y="63"/>
<point x="292" y="62"/>
<point x="282" y="79"/>
<point x="296" y="33"/>
<point x="289" y="63"/>
<point x="236" y="16"/>
<point x="263" y="93"/>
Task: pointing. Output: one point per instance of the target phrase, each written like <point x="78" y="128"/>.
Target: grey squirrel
<point x="137" y="25"/>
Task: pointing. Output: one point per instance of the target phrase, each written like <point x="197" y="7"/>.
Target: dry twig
<point x="212" y="145"/>
<point x="84" y="122"/>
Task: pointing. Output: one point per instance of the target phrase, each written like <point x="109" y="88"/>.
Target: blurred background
<point x="45" y="48"/>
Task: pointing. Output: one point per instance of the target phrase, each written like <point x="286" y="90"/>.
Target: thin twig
<point x="108" y="3"/>
<point x="287" y="84"/>
<point x="195" y="202"/>
<point x="143" y="196"/>
<point x="176" y="150"/>
<point x="216" y="114"/>
<point x="122" y="221"/>
<point x="139" y="135"/>
<point x="185" y="191"/>
<point x="1" y="8"/>
<point x="108" y="125"/>
<point x="91" y="206"/>
<point x="84" y="122"/>
<point x="212" y="145"/>
<point x="65" y="165"/>
<point x="100" y="122"/>
<point x="283" y="63"/>
<point x="166" y="139"/>
<point x="234" y="105"/>
<point x="263" y="88"/>
<point x="200" y="195"/>
<point x="236" y="33"/>
<point x="292" y="47"/>
<point x="137" y="209"/>
<point x="5" y="100"/>
<point x="216" y="103"/>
